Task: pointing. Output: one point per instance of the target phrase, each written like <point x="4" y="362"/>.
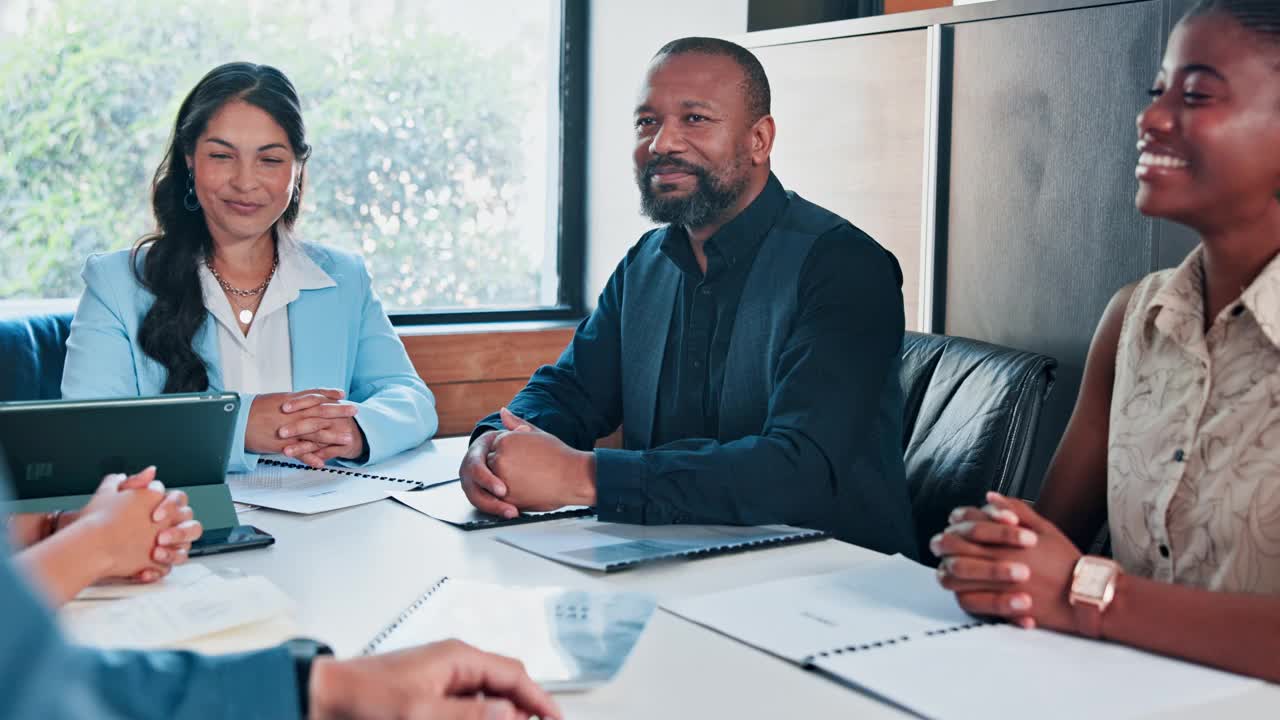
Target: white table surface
<point x="353" y="571"/>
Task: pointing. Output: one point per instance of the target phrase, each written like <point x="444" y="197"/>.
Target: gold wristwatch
<point x="1093" y="587"/>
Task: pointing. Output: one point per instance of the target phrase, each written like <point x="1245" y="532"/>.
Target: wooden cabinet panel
<point x="851" y="115"/>
<point x="473" y="374"/>
<point x="464" y="357"/>
<point x="461" y="405"/>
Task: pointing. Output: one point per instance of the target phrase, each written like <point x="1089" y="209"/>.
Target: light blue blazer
<point x="339" y="337"/>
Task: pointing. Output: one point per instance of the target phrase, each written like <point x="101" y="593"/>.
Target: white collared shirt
<point x="262" y="361"/>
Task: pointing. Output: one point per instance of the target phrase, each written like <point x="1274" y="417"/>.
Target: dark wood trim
<point x="449" y="317"/>
<point x="573" y="155"/>
<point x="916" y="20"/>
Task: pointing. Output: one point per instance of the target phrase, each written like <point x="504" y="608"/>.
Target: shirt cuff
<point x="241" y="460"/>
<point x="622" y="480"/>
<point x="480" y="430"/>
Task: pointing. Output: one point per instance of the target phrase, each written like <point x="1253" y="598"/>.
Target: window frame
<point x="571" y="221"/>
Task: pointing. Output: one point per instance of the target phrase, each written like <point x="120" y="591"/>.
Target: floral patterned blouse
<point x="1193" y="479"/>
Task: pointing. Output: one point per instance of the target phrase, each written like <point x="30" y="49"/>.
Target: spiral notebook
<point x="594" y="545"/>
<point x="567" y="639"/>
<point x="447" y="503"/>
<point x="306" y="490"/>
<point x="886" y="627"/>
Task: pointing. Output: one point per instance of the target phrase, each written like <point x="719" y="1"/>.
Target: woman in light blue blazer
<point x="222" y="297"/>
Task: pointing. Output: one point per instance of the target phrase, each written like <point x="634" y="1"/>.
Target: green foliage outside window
<point x="418" y="162"/>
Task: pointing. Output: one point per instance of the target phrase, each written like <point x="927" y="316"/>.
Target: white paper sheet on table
<point x="567" y="639"/>
<point x="180" y="576"/>
<point x="170" y="617"/>
<point x="447" y="503"/>
<point x="282" y="485"/>
<point x="595" y="545"/>
<point x="887" y="627"/>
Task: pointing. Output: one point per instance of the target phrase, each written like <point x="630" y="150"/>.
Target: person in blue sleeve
<point x="43" y="676"/>
<point x="223" y="297"/>
<point x="749" y="347"/>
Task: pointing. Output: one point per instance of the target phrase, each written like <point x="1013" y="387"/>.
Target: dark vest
<point x="760" y="330"/>
<point x="875" y="490"/>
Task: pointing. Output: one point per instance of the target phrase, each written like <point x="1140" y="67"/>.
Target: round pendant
<point x="246" y="317"/>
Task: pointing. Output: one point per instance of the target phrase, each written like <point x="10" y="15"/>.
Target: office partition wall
<point x="992" y="148"/>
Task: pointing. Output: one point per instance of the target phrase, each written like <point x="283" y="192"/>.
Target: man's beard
<point x="710" y="198"/>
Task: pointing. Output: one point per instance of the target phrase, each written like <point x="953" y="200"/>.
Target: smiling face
<point x="1209" y="139"/>
<point x="245" y="172"/>
<point x="697" y="150"/>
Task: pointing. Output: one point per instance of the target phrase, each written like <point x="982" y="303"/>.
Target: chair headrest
<point x="33" y="350"/>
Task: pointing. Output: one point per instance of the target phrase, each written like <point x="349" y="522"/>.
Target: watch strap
<point x="1088" y="619"/>
<point x="304" y="651"/>
<point x="1087" y="606"/>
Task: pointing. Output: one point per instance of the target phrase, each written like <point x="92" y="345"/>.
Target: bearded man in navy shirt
<point x="749" y="347"/>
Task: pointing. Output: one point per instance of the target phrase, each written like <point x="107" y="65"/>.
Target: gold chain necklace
<point x="245" y="315"/>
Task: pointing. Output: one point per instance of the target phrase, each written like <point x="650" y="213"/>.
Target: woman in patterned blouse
<point x="1175" y="438"/>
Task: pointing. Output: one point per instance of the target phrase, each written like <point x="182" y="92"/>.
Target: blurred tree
<point x="418" y="163"/>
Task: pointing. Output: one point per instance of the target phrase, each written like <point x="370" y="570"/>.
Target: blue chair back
<point x="32" y="352"/>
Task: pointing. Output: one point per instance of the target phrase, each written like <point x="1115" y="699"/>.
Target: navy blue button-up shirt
<point x="824" y="457"/>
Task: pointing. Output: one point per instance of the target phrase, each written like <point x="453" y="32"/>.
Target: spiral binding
<point x="386" y="632"/>
<point x="720" y="549"/>
<point x="810" y="659"/>
<point x="342" y="471"/>
<point x="522" y="519"/>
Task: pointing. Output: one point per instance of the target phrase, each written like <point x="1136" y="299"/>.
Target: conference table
<point x="351" y="572"/>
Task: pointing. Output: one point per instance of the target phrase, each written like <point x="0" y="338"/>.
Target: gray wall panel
<point x="1042" y="229"/>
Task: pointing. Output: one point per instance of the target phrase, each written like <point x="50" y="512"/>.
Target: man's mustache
<point x="668" y="164"/>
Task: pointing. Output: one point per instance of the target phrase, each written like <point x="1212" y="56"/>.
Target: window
<point x="436" y="129"/>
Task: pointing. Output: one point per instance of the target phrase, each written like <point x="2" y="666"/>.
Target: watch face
<point x="1092" y="579"/>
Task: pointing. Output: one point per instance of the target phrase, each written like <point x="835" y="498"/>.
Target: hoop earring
<point x="191" y="202"/>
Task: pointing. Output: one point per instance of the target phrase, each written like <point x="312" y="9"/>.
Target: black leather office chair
<point x="969" y="422"/>
<point x="32" y="352"/>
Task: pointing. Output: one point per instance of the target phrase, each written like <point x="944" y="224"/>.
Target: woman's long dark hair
<point x="170" y="267"/>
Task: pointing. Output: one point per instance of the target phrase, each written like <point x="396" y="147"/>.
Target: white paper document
<point x="1042" y="674"/>
<point x="170" y="617"/>
<point x="567" y="639"/>
<point x="448" y="503"/>
<point x="304" y="490"/>
<point x="810" y="614"/>
<point x="887" y="627"/>
<point x="595" y="545"/>
<point x="180" y="576"/>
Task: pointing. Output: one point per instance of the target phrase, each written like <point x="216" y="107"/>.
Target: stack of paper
<point x="196" y="610"/>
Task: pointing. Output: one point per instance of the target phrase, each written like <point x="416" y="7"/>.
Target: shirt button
<point x="1237" y="310"/>
<point x="705" y="291"/>
<point x="1164" y="551"/>
<point x="697" y="363"/>
<point x="1179" y="456"/>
